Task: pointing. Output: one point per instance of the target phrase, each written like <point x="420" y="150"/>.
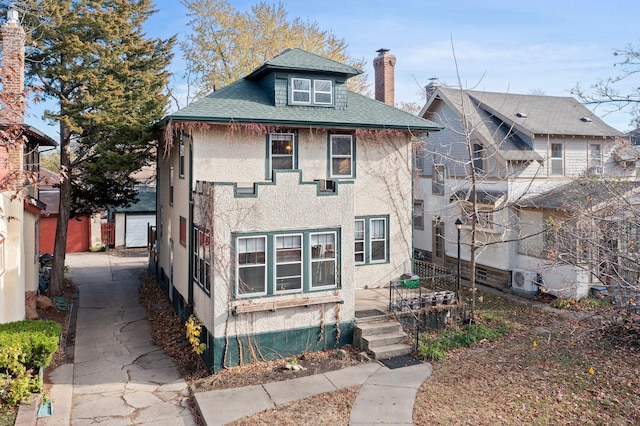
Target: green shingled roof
<point x="300" y="60"/>
<point x="247" y="101"/>
<point x="146" y="203"/>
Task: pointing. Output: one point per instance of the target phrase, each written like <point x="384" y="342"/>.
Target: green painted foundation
<point x="273" y="345"/>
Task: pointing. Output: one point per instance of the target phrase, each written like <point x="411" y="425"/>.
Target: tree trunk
<point x="64" y="211"/>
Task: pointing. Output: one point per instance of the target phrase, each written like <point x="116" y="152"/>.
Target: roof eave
<point x="294" y="123"/>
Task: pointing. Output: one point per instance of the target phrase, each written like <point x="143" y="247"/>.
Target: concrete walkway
<point x="386" y="396"/>
<point x="119" y="377"/>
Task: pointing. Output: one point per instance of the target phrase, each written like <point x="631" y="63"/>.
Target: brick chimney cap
<point x="12" y="16"/>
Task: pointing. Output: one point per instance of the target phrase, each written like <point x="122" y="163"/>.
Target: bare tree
<point x="607" y="92"/>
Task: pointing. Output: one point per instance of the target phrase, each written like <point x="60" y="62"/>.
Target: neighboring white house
<point x="278" y="196"/>
<point x="521" y="147"/>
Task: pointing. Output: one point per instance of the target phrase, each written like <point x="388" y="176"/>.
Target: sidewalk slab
<point x="224" y="406"/>
<point x="407" y="377"/>
<point x="376" y="405"/>
<point x="294" y="389"/>
<point x="352" y="376"/>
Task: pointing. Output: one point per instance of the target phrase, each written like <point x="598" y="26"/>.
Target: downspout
<point x="190" y="231"/>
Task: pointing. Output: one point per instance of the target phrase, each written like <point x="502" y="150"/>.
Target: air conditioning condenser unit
<point x="525" y="282"/>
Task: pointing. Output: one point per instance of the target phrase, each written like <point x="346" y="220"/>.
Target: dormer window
<point x="306" y="91"/>
<point x="301" y="90"/>
<point x="322" y="92"/>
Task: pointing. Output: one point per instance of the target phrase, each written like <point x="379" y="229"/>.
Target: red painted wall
<point x="78" y="234"/>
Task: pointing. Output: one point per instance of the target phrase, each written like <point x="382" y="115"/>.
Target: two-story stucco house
<point x="278" y="196"/>
<point x="19" y="165"/>
<point x="520" y="147"/>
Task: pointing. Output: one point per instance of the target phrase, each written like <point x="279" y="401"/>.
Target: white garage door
<point x="136" y="230"/>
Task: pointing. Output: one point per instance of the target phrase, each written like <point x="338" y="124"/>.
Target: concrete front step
<point x="385" y="339"/>
<point x="390" y="351"/>
<point x="380" y="327"/>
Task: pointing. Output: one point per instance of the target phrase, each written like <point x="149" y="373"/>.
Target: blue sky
<point x="501" y="46"/>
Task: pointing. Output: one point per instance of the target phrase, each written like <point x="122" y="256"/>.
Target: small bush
<point x="37" y="340"/>
<point x="24" y="347"/>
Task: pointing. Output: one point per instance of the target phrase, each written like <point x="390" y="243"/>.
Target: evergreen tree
<point x="108" y="78"/>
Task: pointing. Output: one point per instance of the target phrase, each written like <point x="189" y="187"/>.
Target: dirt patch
<point x="169" y="333"/>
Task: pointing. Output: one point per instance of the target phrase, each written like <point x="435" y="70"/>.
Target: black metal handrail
<point x="393" y="287"/>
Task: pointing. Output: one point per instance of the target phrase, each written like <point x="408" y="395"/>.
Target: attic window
<point x="305" y="91"/>
<point x="586" y="119"/>
<point x="521" y="115"/>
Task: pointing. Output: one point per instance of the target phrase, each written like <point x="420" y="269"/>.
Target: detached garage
<point x="132" y="222"/>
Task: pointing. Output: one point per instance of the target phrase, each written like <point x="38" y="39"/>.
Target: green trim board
<point x="275" y="345"/>
<point x="239" y="193"/>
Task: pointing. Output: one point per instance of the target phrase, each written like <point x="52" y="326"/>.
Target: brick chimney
<point x="384" y="65"/>
<point x="12" y="73"/>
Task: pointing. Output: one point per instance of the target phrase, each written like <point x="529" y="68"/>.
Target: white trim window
<point x="437" y="181"/>
<point x="322" y="92"/>
<point x="418" y="214"/>
<point x="341" y="155"/>
<point x="378" y="240"/>
<point x="251" y="266"/>
<point x="556" y="161"/>
<point x="595" y="158"/>
<point x="323" y="260"/>
<point x="288" y="263"/>
<point x="282" y="155"/>
<point x="202" y="258"/>
<point x="359" y="238"/>
<point x="301" y="91"/>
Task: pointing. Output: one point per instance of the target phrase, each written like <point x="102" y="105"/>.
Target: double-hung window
<point x="202" y="258"/>
<point x="323" y="259"/>
<point x="322" y="92"/>
<point x="378" y="240"/>
<point x="371" y="240"/>
<point x="556" y="160"/>
<point x="171" y="183"/>
<point x="437" y="180"/>
<point x="359" y="238"/>
<point x="181" y="154"/>
<point x="280" y="263"/>
<point x="288" y="259"/>
<point x="282" y="155"/>
<point x="301" y="90"/>
<point x="252" y="266"/>
<point x="418" y="214"/>
<point x="342" y="150"/>
<point x="595" y="158"/>
<point x="306" y="91"/>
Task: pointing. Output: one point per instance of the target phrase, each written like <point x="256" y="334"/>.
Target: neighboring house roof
<point x="146" y="203"/>
<point x="41" y="138"/>
<point x="573" y="194"/>
<point x="506" y="120"/>
<point x="247" y="101"/>
<point x="48" y="179"/>
<point x="52" y="200"/>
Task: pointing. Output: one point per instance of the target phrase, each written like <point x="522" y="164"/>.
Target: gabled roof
<point x="247" y="101"/>
<point x="303" y="61"/>
<point x="506" y="121"/>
